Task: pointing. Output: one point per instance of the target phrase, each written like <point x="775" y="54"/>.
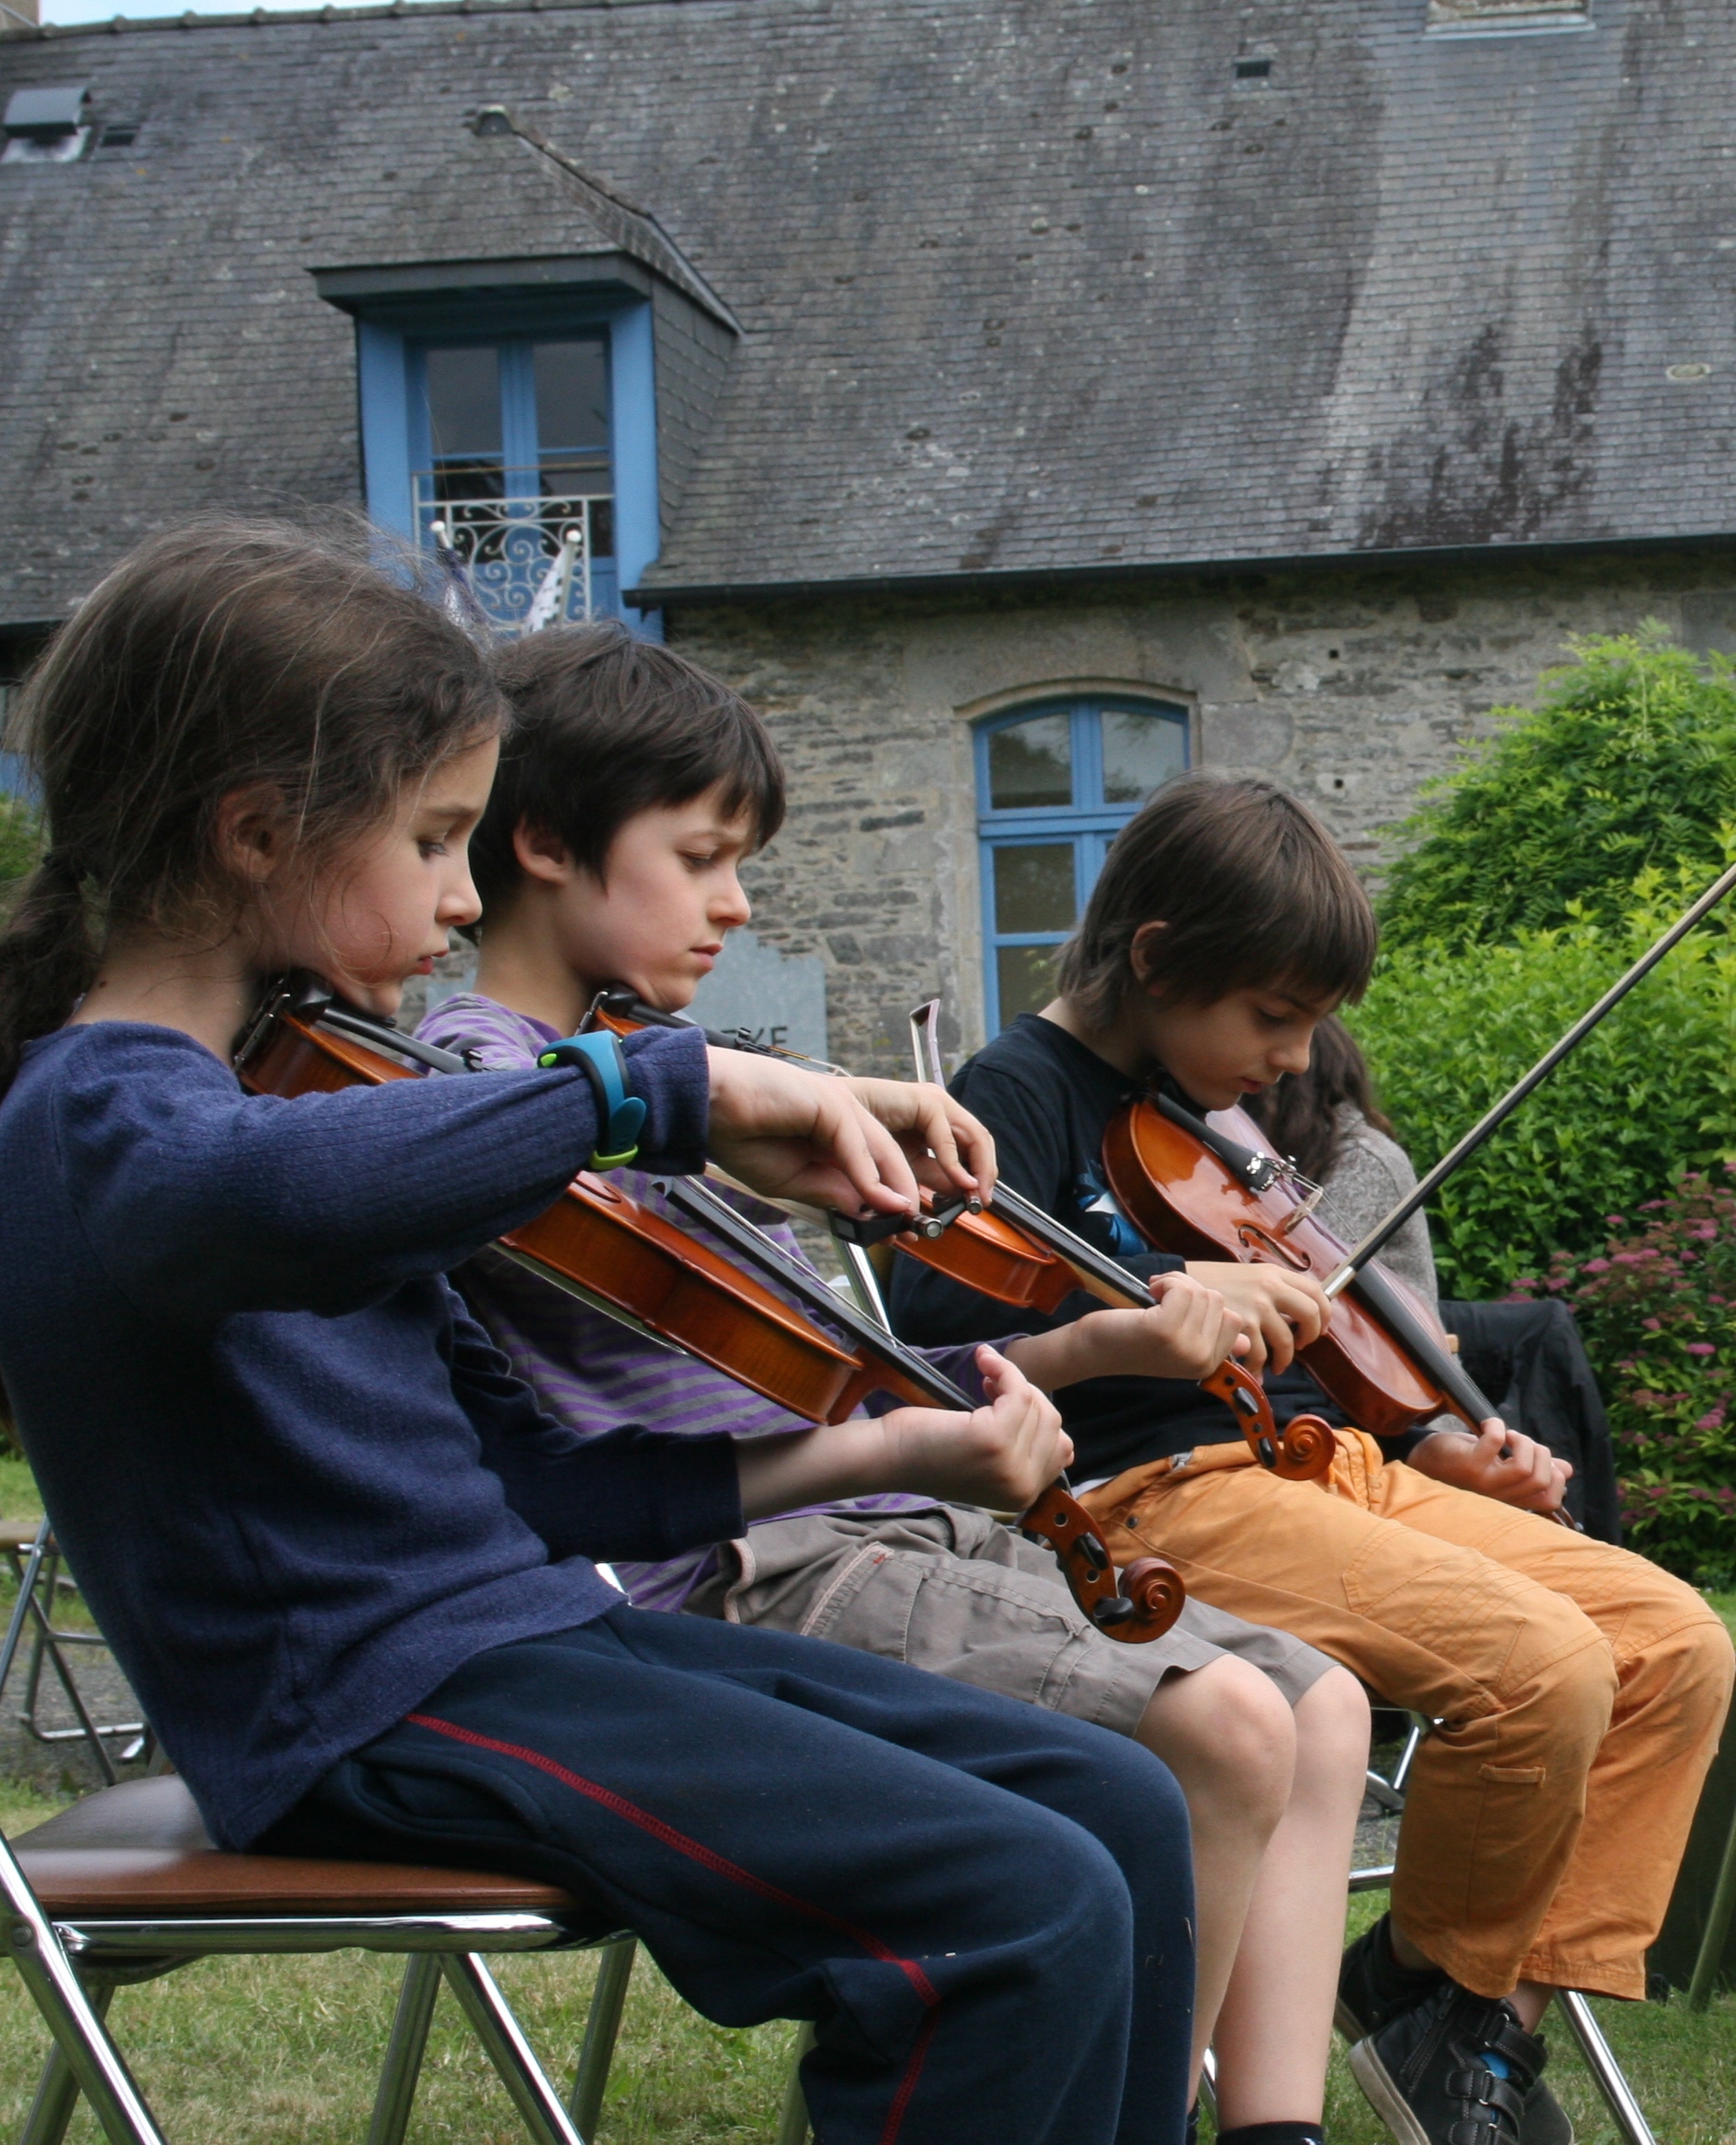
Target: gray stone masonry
<point x="1353" y="689"/>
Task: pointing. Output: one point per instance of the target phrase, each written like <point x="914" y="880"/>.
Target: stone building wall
<point x="1350" y="687"/>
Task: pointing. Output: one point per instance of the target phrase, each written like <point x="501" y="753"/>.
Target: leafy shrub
<point x="21" y="840"/>
<point x="1651" y="1092"/>
<point x="1654" y="1306"/>
<point x="1629" y="764"/>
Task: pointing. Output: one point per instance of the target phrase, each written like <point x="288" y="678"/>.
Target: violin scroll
<point x="1156" y="1587"/>
<point x="1301" y="1451"/>
<point x="1141" y="1604"/>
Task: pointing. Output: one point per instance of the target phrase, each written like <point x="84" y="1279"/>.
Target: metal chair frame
<point x="607" y="2004"/>
<point x="72" y="1965"/>
<point x="37" y="1567"/>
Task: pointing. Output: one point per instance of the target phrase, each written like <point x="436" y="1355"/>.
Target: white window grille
<point x="529" y="559"/>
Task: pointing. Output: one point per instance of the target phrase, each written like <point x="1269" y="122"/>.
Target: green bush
<point x="1653" y="1090"/>
<point x="1627" y="764"/>
<point x="21" y="839"/>
<point x="1654" y="1307"/>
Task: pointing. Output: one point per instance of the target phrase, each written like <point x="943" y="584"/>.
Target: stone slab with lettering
<point x="779" y="999"/>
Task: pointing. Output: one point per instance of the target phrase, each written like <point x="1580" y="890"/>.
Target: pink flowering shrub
<point x="1655" y="1307"/>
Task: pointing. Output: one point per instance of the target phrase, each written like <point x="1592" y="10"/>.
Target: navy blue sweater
<point x="297" y="1482"/>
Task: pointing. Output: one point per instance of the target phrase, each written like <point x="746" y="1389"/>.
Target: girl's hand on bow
<point x="804" y="1136"/>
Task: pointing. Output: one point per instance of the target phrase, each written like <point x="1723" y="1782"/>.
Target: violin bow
<point x="1493" y="1119"/>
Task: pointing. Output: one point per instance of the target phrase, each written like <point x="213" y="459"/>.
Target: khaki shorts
<point x="952" y="1590"/>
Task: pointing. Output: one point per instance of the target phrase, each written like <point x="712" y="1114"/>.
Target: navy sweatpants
<point x="986" y="1907"/>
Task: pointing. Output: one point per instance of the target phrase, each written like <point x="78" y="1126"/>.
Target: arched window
<point x="1055" y="782"/>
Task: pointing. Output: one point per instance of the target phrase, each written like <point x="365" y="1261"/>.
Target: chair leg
<point x="57" y="2091"/>
<point x="1716" y="1936"/>
<point x="792" y="2121"/>
<point x="1208" y="2082"/>
<point x="92" y="1733"/>
<point x="602" y="2029"/>
<point x="72" y="2017"/>
<point x="1600" y="2061"/>
<point x="502" y="2037"/>
<point x="1419" y="1727"/>
<point x="403" y="2064"/>
<point x="27" y="1572"/>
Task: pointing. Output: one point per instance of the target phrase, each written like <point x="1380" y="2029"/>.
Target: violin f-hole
<point x="1258" y="1240"/>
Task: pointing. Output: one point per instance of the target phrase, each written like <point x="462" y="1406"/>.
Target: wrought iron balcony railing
<point x="531" y="561"/>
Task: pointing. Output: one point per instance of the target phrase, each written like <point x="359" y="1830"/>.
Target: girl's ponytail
<point x="222" y="655"/>
<point x="48" y="957"/>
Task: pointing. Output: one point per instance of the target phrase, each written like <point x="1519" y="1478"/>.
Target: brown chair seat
<point x="140" y="1852"/>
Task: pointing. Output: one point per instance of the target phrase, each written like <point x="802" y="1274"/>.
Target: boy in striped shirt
<point x="634" y="786"/>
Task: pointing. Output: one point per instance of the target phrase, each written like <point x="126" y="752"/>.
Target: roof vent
<point x="494" y="119"/>
<point x="46" y="125"/>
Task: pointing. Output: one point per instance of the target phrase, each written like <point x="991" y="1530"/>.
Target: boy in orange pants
<point x="1577" y="1690"/>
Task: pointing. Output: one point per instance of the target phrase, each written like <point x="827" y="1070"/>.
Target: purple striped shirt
<point x="594" y="1374"/>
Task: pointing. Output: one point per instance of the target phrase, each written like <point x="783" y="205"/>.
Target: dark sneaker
<point x="1543" y="2120"/>
<point x="1427" y="2073"/>
<point x="1375" y="1988"/>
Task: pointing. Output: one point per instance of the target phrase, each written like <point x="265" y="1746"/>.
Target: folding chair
<point x="1388" y="1791"/>
<point x="35" y="1558"/>
<point x="608" y="2001"/>
<point x="125" y="1885"/>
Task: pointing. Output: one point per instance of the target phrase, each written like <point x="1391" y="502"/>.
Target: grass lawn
<point x="269" y="2052"/>
<point x="286" y="2052"/>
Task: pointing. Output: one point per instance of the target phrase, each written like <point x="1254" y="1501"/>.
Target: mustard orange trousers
<point x="1579" y="1691"/>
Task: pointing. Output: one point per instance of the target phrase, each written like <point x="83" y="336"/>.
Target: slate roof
<point x="1026" y="286"/>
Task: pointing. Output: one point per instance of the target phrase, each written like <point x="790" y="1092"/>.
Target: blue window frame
<point x="1056" y="783"/>
<point x="511" y="453"/>
<point x="522" y="428"/>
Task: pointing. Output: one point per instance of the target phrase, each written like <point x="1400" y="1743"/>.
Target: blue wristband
<point x="620" y="1113"/>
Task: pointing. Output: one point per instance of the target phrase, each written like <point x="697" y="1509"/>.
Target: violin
<point x="1017" y="1254"/>
<point x="1208" y="1188"/>
<point x="594" y="1242"/>
<point x="614" y="1253"/>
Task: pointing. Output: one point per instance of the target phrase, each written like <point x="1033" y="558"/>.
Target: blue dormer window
<point x="517" y="425"/>
<point x="1055" y="785"/>
<point x="513" y="468"/>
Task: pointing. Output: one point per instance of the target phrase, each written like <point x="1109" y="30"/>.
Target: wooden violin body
<point x="598" y="1243"/>
<point x="614" y="1251"/>
<point x="1384" y="1357"/>
<point x="994" y="1256"/>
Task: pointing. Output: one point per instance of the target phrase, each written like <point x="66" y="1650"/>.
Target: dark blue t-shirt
<point x="1047" y="1099"/>
<point x="297" y="1482"/>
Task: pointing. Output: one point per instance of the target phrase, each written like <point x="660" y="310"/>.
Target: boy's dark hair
<point x="1300" y="1115"/>
<point x="223" y="655"/>
<point x="610" y="726"/>
<point x="1252" y="892"/>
